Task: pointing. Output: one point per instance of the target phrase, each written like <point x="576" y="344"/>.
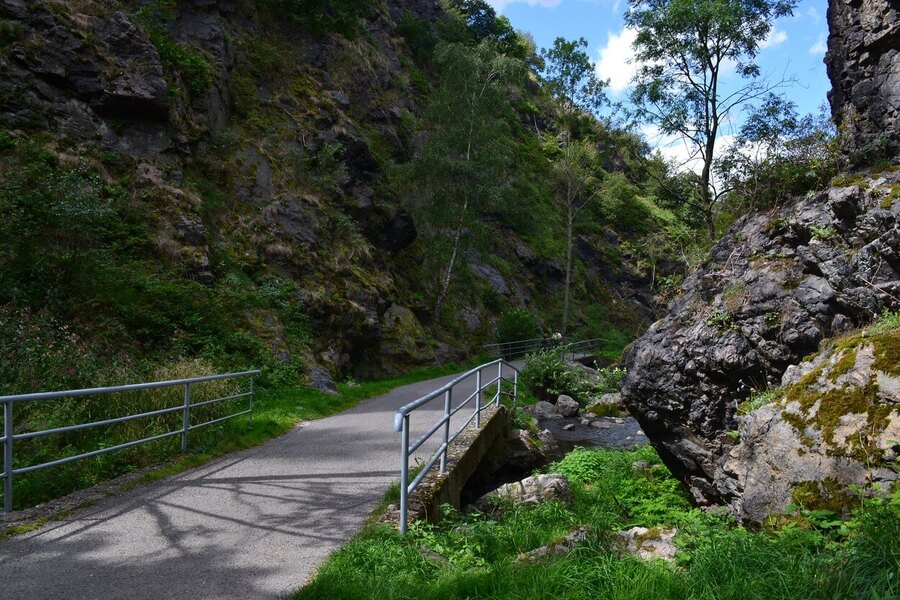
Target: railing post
<point x="448" y="398"/>
<point x="499" y="381"/>
<point x="404" y="474"/>
<point x="186" y="416"/>
<point x="7" y="456"/>
<point x="252" y="393"/>
<point x="478" y="398"/>
<point x="515" y="390"/>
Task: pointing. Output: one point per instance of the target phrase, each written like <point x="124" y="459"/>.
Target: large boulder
<point x="864" y="66"/>
<point x="775" y="286"/>
<point x="835" y="426"/>
<point x="567" y="406"/>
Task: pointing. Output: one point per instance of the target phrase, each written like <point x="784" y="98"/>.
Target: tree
<point x="777" y="154"/>
<point x="459" y="169"/>
<point x="484" y="24"/>
<point x="572" y="79"/>
<point x="685" y="48"/>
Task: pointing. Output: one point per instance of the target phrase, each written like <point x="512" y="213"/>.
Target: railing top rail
<point x="515" y="343"/>
<point x="122" y="388"/>
<point x="407" y="408"/>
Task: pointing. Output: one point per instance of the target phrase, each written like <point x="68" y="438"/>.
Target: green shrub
<point x="320" y="17"/>
<point x="188" y="63"/>
<point x="517" y="324"/>
<point x="547" y="376"/>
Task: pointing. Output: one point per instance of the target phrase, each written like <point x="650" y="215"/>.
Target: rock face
<point x="864" y="67"/>
<point x="776" y="286"/>
<point x="835" y="424"/>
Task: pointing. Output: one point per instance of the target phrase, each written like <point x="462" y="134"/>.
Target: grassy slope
<point x="811" y="558"/>
<point x="276" y="411"/>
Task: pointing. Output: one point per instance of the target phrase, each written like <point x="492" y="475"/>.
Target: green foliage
<point x="177" y="59"/>
<point x="758" y="399"/>
<point x="517" y="324"/>
<point x="889" y="321"/>
<point x="547" y="376"/>
<point x="455" y="174"/>
<point x="571" y="76"/>
<point x="320" y="17"/>
<point x="419" y="35"/>
<point x="685" y="46"/>
<point x="807" y="557"/>
<point x="484" y="24"/>
<point x="778" y="155"/>
<point x="822" y="233"/>
<point x="189" y="64"/>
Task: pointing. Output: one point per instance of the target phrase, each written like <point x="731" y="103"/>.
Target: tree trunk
<point x="448" y="276"/>
<point x="570" y="219"/>
<point x="569" y="243"/>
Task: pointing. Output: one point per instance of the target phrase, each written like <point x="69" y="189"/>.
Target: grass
<point x="808" y="559"/>
<point x="276" y="411"/>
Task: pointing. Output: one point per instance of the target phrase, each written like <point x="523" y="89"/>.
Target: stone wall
<point x="864" y="67"/>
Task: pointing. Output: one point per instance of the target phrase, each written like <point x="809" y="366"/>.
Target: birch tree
<point x="459" y="170"/>
<point x="571" y="78"/>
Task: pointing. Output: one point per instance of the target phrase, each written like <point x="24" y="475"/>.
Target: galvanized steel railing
<point x="510" y="350"/>
<point x="402" y="418"/>
<point x="9" y="437"/>
<point x="581" y="348"/>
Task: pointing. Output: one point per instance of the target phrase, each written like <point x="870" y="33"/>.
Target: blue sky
<point x="796" y="46"/>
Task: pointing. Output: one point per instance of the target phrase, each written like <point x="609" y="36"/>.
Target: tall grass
<point x="276" y="410"/>
<point x="719" y="560"/>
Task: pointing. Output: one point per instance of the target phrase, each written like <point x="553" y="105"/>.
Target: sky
<point x="795" y="47"/>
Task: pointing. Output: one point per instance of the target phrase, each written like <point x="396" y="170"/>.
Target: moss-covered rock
<point x="832" y="431"/>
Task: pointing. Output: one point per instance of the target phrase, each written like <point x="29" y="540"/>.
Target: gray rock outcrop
<point x="864" y="67"/>
<point x="834" y="428"/>
<point x="775" y="286"/>
<point x="531" y="491"/>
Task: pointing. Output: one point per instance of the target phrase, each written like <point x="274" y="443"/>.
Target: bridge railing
<point x="495" y="377"/>
<point x="511" y="350"/>
<point x="10" y="437"/>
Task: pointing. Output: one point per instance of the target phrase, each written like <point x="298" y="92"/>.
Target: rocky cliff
<point x="778" y="285"/>
<point x="231" y="174"/>
<point x="864" y="67"/>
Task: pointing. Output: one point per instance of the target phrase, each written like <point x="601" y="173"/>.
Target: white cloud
<point x="821" y="45"/>
<point x="775" y="37"/>
<point x="499" y="5"/>
<point x="813" y="14"/>
<point x="617" y="62"/>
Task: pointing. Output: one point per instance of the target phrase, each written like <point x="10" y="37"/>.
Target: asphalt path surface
<point x="253" y="524"/>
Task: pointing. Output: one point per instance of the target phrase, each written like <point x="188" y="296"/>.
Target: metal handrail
<point x="582" y="347"/>
<point x="402" y="418"/>
<point x="9" y="437"/>
<point x="509" y="350"/>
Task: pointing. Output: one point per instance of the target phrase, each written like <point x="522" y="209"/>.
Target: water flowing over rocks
<point x="774" y="287"/>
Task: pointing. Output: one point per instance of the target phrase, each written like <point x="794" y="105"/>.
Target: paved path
<point x="253" y="524"/>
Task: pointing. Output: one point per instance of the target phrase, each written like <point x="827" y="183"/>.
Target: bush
<point x="547" y="376"/>
<point x="517" y="324"/>
<point x="320" y="17"/>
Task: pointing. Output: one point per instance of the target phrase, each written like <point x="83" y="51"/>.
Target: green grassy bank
<point x="276" y="410"/>
<point x="809" y="555"/>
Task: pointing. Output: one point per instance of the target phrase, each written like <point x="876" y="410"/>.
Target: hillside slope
<point x="227" y="180"/>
